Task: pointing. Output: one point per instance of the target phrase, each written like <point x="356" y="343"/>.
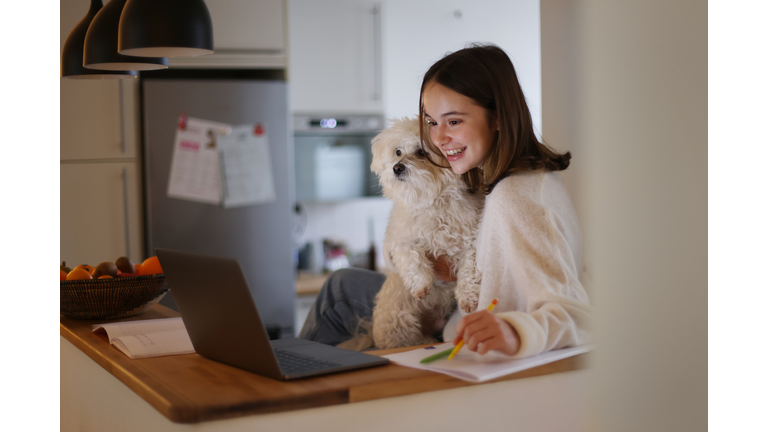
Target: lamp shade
<point x="165" y="28"/>
<point x="72" y="52"/>
<point x="100" y="50"/>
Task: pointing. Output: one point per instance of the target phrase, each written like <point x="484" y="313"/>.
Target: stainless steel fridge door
<point x="259" y="236"/>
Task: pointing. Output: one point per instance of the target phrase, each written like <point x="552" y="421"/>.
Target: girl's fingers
<point x="482" y="337"/>
<point x="483" y="332"/>
<point x="480" y="330"/>
<point x="466" y="321"/>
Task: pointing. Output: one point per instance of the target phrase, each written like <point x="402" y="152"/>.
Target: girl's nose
<point x="438" y="136"/>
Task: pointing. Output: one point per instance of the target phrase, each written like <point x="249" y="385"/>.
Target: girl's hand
<point x="483" y="331"/>
<point x="442" y="269"/>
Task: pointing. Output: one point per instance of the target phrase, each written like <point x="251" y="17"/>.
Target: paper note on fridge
<point x="246" y="166"/>
<point x="194" y="173"/>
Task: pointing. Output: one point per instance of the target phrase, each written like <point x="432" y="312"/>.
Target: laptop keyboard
<point x="291" y="363"/>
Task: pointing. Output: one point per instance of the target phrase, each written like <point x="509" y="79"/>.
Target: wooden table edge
<point x="178" y="410"/>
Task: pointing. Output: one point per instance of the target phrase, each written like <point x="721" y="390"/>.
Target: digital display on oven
<point x="329" y="123"/>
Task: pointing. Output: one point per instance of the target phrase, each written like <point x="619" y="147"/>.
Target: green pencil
<point x="439" y="355"/>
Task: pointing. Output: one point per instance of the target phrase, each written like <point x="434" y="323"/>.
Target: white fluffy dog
<point x="433" y="214"/>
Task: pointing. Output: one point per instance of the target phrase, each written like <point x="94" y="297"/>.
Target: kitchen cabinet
<point x="98" y="119"/>
<point x="335" y="56"/>
<point x="100" y="172"/>
<point x="246" y="34"/>
<point x="100" y="212"/>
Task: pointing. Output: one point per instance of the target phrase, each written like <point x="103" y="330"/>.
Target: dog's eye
<point x="398" y="152"/>
<point x="420" y="153"/>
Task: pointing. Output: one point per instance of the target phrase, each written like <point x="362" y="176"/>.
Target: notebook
<point x="224" y="325"/>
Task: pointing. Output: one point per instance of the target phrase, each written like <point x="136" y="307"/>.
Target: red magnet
<point x="182" y="121"/>
<point x="258" y="130"/>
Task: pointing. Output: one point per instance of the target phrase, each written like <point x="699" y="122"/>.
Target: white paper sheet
<point x="246" y="167"/>
<point x="471" y="366"/>
<point x="148" y="338"/>
<point x="194" y="173"/>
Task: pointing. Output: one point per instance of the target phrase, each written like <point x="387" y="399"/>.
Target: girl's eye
<point x="454" y="122"/>
<point x="431" y="123"/>
<point x="398" y="152"/>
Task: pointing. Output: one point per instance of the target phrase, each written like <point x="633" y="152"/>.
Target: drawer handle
<point x="126" y="214"/>
<point x="122" y="116"/>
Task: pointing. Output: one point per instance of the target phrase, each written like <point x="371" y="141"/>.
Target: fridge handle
<point x="122" y="116"/>
<point x="126" y="214"/>
<point x="376" y="52"/>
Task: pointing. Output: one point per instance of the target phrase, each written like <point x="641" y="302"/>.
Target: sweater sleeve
<point x="528" y="251"/>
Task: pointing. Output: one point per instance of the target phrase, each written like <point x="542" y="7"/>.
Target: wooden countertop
<point x="309" y="283"/>
<point x="191" y="389"/>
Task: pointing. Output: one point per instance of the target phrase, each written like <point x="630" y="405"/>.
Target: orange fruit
<point x="79" y="272"/>
<point x="137" y="269"/>
<point x="105" y="277"/>
<point x="150" y="266"/>
<point x="62" y="275"/>
<point x="87" y="268"/>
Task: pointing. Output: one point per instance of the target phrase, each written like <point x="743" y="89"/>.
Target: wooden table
<point x="192" y="389"/>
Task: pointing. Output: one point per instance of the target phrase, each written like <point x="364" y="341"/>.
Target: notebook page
<point x="471" y="366"/>
<point x="117" y="329"/>
<point x="154" y="344"/>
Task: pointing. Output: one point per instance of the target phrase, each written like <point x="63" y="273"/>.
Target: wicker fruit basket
<point x="111" y="298"/>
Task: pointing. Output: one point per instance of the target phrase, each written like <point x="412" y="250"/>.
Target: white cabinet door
<point x="246" y="34"/>
<point x="247" y="25"/>
<point x="335" y="56"/>
<point x="99" y="119"/>
<point x="100" y="212"/>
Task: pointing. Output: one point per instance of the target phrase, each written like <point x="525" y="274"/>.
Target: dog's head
<point x="404" y="172"/>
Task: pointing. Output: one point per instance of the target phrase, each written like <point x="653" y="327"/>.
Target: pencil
<point x="439" y="355"/>
<point x="461" y="342"/>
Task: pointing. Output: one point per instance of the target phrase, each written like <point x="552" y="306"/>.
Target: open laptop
<point x="224" y="324"/>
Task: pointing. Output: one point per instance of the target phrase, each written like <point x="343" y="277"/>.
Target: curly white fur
<point x="433" y="214"/>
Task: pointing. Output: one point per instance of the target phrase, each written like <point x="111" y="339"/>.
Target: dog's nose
<point x="399" y="168"/>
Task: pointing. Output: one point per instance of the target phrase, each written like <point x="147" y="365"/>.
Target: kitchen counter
<point x="309" y="283"/>
<point x="192" y="389"/>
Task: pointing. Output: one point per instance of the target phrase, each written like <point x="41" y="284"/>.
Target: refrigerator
<point x="259" y="236"/>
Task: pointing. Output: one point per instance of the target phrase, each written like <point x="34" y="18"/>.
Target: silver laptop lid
<point x="218" y="310"/>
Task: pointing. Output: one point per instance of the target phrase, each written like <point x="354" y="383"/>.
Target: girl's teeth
<point x="454" y="152"/>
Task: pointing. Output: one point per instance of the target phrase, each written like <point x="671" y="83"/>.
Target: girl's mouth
<point x="455" y="152"/>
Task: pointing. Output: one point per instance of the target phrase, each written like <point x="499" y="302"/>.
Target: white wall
<point x="418" y="33"/>
<point x="626" y="92"/>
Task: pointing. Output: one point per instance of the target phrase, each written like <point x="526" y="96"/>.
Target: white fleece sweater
<point x="529" y="253"/>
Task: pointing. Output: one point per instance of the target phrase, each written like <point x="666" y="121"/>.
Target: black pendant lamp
<point x="72" y="52"/>
<point x="100" y="50"/>
<point x="165" y="28"/>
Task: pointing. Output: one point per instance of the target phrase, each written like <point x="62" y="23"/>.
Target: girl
<point x="529" y="242"/>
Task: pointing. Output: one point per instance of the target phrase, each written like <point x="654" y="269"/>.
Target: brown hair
<point x="485" y="74"/>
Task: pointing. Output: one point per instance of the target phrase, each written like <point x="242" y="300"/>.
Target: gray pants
<point x="346" y="298"/>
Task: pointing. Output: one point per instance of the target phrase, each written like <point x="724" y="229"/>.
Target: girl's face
<point x="458" y="126"/>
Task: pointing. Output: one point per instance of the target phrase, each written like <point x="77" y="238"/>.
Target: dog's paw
<point x="468" y="304"/>
<point x="421" y="294"/>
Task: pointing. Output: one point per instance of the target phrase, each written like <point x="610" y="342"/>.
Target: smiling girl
<point x="529" y="241"/>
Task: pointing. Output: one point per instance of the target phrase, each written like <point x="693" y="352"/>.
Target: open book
<point x="471" y="366"/>
<point x="148" y="338"/>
